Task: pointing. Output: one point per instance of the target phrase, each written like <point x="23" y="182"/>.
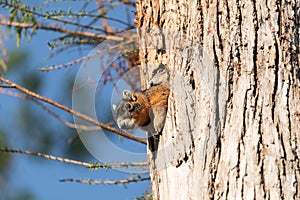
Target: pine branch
<point x="52" y="17"/>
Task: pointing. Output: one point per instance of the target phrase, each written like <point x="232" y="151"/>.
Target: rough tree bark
<point x="233" y="125"/>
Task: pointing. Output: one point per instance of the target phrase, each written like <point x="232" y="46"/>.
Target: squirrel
<point x="146" y="109"/>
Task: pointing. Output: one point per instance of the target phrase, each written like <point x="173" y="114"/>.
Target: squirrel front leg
<point x="159" y="115"/>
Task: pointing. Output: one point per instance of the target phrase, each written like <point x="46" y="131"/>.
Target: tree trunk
<point x="233" y="124"/>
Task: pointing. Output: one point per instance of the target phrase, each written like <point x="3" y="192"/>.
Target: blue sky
<point x="36" y="175"/>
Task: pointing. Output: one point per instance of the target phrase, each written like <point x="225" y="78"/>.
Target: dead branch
<point x="100" y="182"/>
<point x="127" y="2"/>
<point x="75" y="162"/>
<point x="68" y="124"/>
<point x="107" y="27"/>
<point x="75" y="113"/>
<point x="62" y="30"/>
<point x="74" y="62"/>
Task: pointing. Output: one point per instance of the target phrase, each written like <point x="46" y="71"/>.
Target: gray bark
<point x="233" y="124"/>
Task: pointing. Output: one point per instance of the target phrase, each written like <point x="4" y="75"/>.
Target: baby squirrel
<point x="146" y="109"/>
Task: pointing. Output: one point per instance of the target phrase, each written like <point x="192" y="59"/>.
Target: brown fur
<point x="154" y="96"/>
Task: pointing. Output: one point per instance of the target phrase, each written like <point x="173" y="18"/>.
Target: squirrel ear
<point x="127" y="94"/>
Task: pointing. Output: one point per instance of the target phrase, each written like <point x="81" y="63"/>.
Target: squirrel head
<point x="159" y="76"/>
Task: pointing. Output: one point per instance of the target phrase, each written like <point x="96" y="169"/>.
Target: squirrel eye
<point x="128" y="107"/>
<point x="160" y="71"/>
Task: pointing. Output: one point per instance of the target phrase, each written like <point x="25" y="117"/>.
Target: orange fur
<point x="156" y="95"/>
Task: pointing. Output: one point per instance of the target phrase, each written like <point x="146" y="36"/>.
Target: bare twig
<point x="69" y="124"/>
<point x="106" y="26"/>
<point x="75" y="162"/>
<point x="62" y="30"/>
<point x="6" y="86"/>
<point x="75" y="113"/>
<point x="74" y="62"/>
<point x="80" y="60"/>
<point x="100" y="182"/>
<point x="127" y="2"/>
